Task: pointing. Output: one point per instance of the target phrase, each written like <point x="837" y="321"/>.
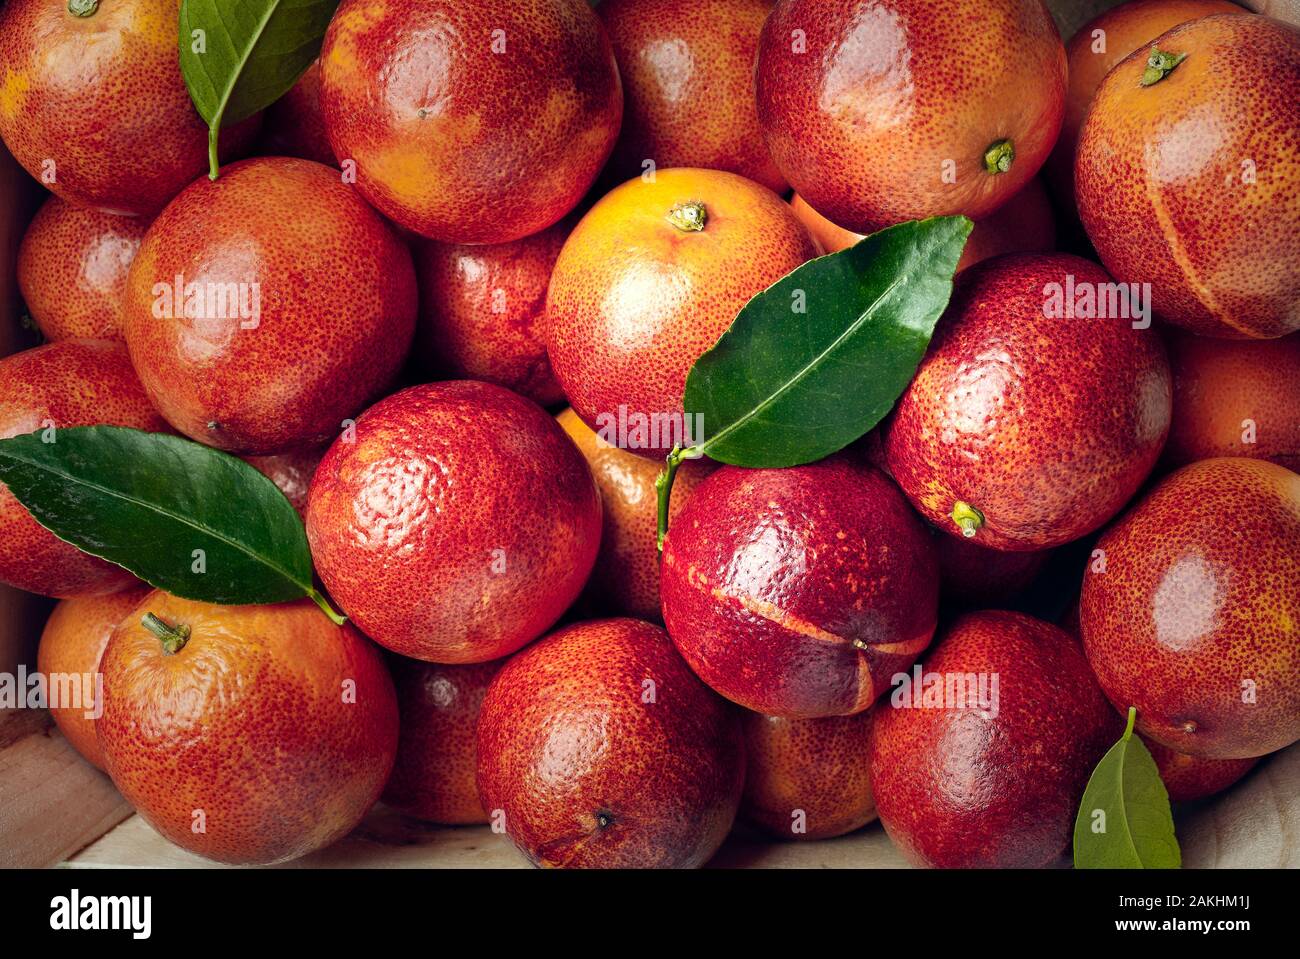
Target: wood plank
<point x="52" y="802"/>
<point x="387" y="840"/>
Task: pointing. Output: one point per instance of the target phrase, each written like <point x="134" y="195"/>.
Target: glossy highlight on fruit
<point x="688" y="85"/>
<point x="456" y="524"/>
<point x="648" y="281"/>
<point x="968" y="778"/>
<point x="1095" y="48"/>
<point x="879" y="111"/>
<point x="799" y="592"/>
<point x="93" y="104"/>
<point x="1194" y="616"/>
<point x="266" y="308"/>
<point x="72" y="269"/>
<point x="246" y="734"/>
<point x="598" y="748"/>
<point x="52" y="387"/>
<point x="1188" y="184"/>
<point x="471" y="121"/>
<point x="1025" y="429"/>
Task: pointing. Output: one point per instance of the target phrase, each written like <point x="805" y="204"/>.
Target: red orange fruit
<point x="1186" y="183"/>
<point x="93" y="104"/>
<point x="688" y="85"/>
<point x="471" y="121"/>
<point x="879" y="111"/>
<point x="246" y="734"/>
<point x="72" y="269"/>
<point x="457" y="524"/>
<point x="1191" y="612"/>
<point x="268" y="306"/>
<point x="53" y="387"/>
<point x="598" y="748"/>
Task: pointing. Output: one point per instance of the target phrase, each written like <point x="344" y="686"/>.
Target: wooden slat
<point x="52" y="802"/>
<point x="389" y="841"/>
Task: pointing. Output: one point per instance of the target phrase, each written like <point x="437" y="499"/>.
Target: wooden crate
<point x="57" y="809"/>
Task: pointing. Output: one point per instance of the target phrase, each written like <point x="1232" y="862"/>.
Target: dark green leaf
<point x="815" y="361"/>
<point x="148" y="502"/>
<point x="1124" y="820"/>
<point x="253" y="51"/>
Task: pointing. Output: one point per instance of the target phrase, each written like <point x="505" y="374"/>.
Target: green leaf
<point x="816" y="360"/>
<point x="1124" y="820"/>
<point x="148" y="501"/>
<point x="252" y="52"/>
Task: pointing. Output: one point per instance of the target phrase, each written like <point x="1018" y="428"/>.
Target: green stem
<point x="968" y="519"/>
<point x="173" y="638"/>
<point x="1160" y="65"/>
<point x="326" y="608"/>
<point x="689" y="217"/>
<point x="1132" y="718"/>
<point x="664" y="490"/>
<point x="214" y="165"/>
<point x="83" y="8"/>
<point x="999" y="156"/>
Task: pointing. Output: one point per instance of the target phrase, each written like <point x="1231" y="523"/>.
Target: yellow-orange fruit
<point x="626" y="576"/>
<point x="1024" y="224"/>
<point x="1094" y="49"/>
<point x="647" y="282"/>
<point x="71" y="644"/>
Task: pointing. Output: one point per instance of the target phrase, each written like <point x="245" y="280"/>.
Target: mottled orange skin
<point x="295" y="126"/>
<point x="481" y="311"/>
<point x="958" y="789"/>
<point x="634" y="300"/>
<point x="72" y="268"/>
<point x="337" y="299"/>
<point x="626" y="578"/>
<point x="808" y="778"/>
<point x="73" y="641"/>
<point x="1221" y="388"/>
<point x="1024" y="224"/>
<point x="64" y="384"/>
<point x="1188" y="778"/>
<point x="1163" y="186"/>
<point x="975" y="575"/>
<point x="887" y="114"/>
<point x="1128" y="27"/>
<point x="461" y="141"/>
<point x="1047" y="426"/>
<point x="458" y="523"/>
<point x="601" y="749"/>
<point x="1197" y="597"/>
<point x="102" y="97"/>
<point x="688" y="85"/>
<point x="291" y="472"/>
<point x="280" y="726"/>
<point x="437" y="757"/>
<point x="799" y="592"/>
